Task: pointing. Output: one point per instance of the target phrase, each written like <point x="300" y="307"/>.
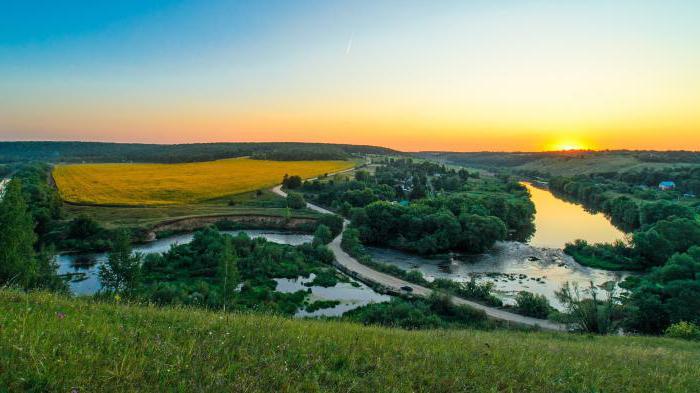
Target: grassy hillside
<point x="167" y="184"/>
<point x="568" y="163"/>
<point x="50" y="343"/>
<point x="583" y="164"/>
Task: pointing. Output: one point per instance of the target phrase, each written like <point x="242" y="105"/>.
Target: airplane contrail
<point x="349" y="47"/>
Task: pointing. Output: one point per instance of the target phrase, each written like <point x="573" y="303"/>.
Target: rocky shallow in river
<point x="511" y="266"/>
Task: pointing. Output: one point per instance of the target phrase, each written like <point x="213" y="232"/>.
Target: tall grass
<point x="53" y="343"/>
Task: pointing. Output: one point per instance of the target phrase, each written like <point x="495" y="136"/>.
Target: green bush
<point x="684" y="330"/>
<point x="295" y="200"/>
<point x="532" y="305"/>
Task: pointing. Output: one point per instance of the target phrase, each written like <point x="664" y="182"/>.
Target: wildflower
<point x="117" y="298"/>
<point x="60" y="315"/>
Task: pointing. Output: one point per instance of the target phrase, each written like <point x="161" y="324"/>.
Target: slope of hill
<point x="53" y="343"/>
<point x="569" y="163"/>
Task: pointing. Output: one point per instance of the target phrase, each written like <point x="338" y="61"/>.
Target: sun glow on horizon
<point x="568" y="146"/>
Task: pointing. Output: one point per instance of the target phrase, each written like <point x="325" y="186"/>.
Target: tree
<point x="83" y="227"/>
<point x="228" y="272"/>
<point x="291" y="182"/>
<point x="122" y="271"/>
<point x="18" y="260"/>
<point x="362" y="176"/>
<point x="322" y="235"/>
<point x="295" y="200"/>
<point x="479" y="233"/>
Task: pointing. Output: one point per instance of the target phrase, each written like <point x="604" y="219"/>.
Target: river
<point x="539" y="267"/>
<point x="84" y="269"/>
<point x="558" y="222"/>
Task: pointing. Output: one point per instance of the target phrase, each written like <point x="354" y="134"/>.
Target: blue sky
<point x="470" y="75"/>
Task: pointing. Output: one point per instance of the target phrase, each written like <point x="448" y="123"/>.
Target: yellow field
<point x="168" y="184"/>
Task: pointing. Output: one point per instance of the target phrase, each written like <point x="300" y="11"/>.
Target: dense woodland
<point x="426" y="208"/>
<point x="132" y="152"/>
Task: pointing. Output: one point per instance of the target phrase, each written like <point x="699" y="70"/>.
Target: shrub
<point x="683" y="330"/>
<point x="291" y="182"/>
<point x="532" y="305"/>
<point x="322" y="235"/>
<point x="296" y="201"/>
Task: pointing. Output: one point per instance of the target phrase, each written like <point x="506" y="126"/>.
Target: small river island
<point x="541" y="266"/>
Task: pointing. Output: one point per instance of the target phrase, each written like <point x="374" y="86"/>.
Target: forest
<point x="77" y="152"/>
<point x="426" y="208"/>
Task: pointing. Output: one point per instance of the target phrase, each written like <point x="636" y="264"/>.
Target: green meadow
<point x="53" y="343"/>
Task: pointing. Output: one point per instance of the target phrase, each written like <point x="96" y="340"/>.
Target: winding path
<point x="393" y="284"/>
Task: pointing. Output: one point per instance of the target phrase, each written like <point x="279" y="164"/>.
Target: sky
<point x="411" y="75"/>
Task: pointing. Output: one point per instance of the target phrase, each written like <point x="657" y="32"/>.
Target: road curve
<point x="393" y="284"/>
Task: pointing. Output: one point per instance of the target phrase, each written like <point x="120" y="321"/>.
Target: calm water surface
<point x="351" y="295"/>
<point x="558" y="222"/>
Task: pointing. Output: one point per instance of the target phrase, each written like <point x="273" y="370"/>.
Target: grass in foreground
<point x="168" y="184"/>
<point x="51" y="343"/>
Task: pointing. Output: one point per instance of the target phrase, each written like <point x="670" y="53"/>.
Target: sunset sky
<point x="412" y="75"/>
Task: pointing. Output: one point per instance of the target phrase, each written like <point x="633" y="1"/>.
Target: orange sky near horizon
<point x="450" y="75"/>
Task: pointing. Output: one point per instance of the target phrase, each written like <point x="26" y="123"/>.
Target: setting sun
<point x="567" y="146"/>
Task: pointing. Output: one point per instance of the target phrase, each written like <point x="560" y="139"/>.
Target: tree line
<point x="11" y="152"/>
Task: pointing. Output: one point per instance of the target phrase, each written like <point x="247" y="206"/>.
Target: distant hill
<point x="568" y="163"/>
<point x="54" y="343"/>
<point x="134" y="152"/>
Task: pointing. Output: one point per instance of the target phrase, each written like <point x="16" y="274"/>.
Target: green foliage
<point x="136" y="152"/>
<point x="669" y="294"/>
<point x="588" y="313"/>
<point x="480" y="232"/>
<point x="468" y="290"/>
<point x="295" y="200"/>
<point x="665" y="238"/>
<point x="122" y="271"/>
<point x="683" y="330"/>
<point x="322" y="235"/>
<point x="615" y="256"/>
<point x="291" y="182"/>
<point x="206" y="271"/>
<point x="18" y="261"/>
<point x="436" y="312"/>
<point x="651" y="213"/>
<point x="21" y="263"/>
<point x="303" y="153"/>
<point x="83" y="227"/>
<point x="532" y="305"/>
<point x="333" y="222"/>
